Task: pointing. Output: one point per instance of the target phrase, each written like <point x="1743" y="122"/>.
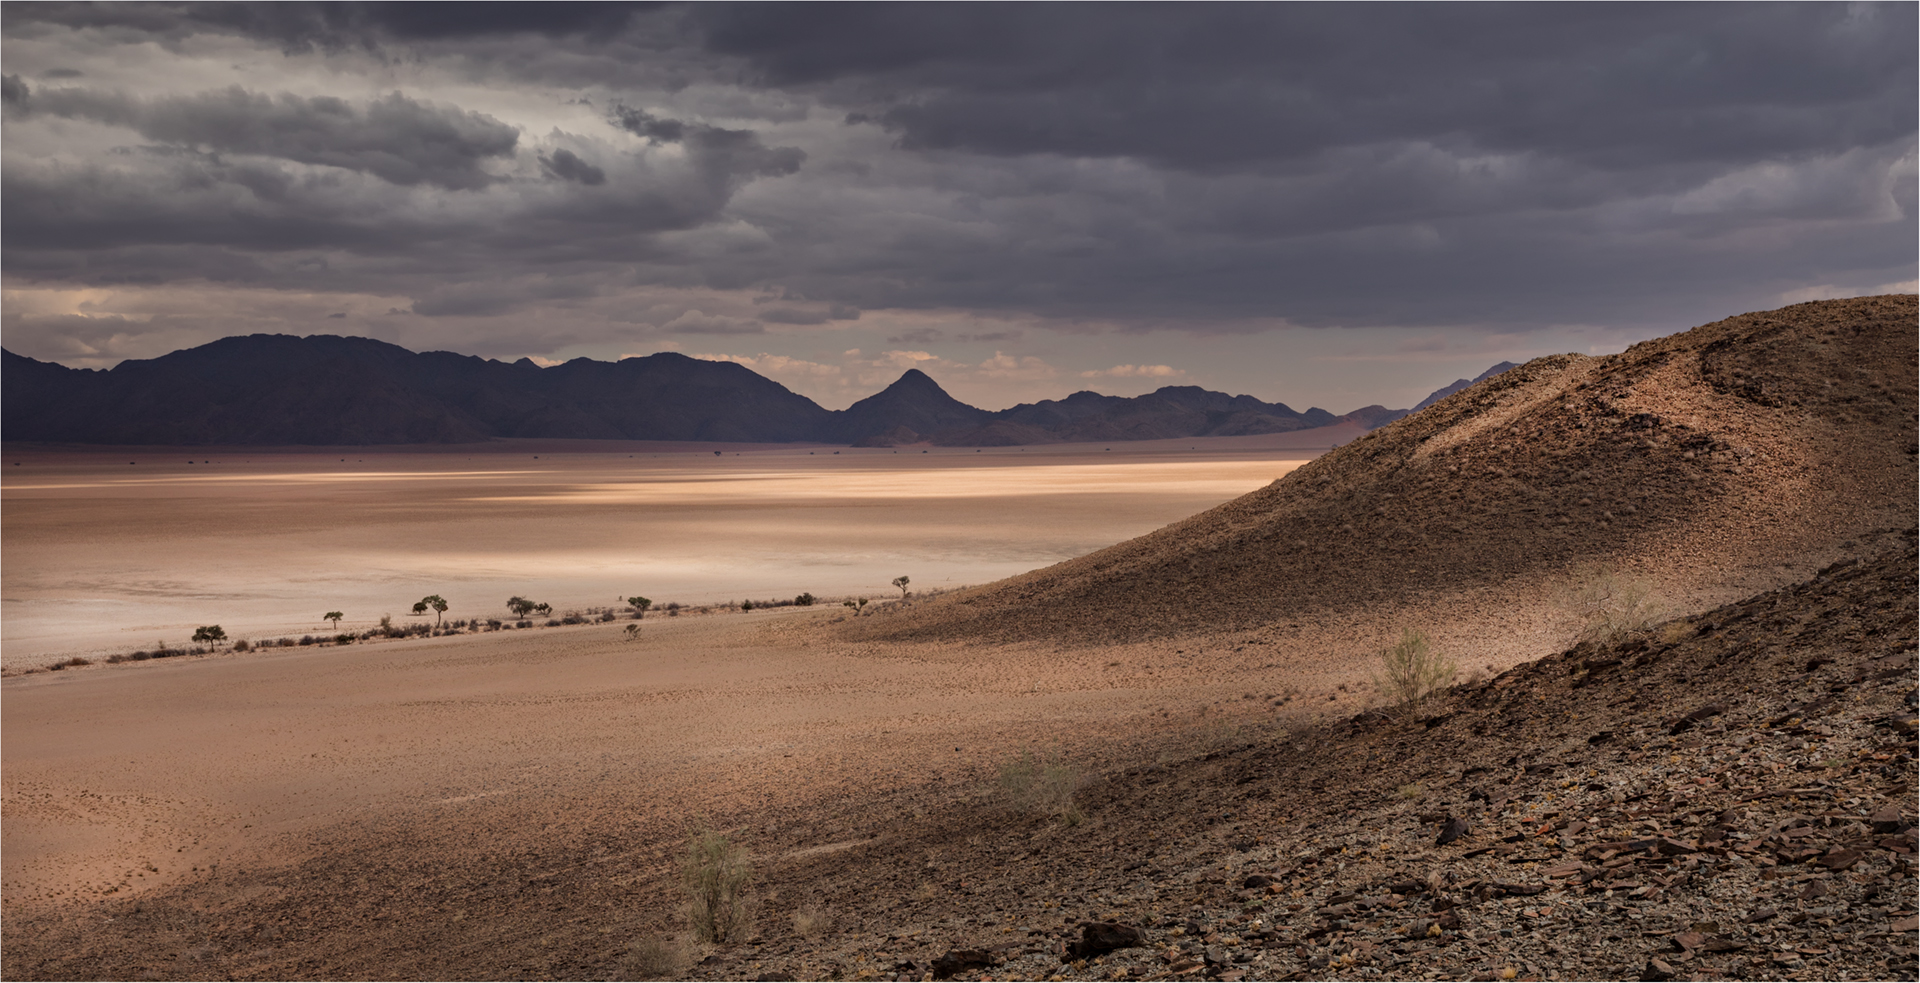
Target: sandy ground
<point x="115" y="549"/>
<point x="126" y="778"/>
<point x="129" y="777"/>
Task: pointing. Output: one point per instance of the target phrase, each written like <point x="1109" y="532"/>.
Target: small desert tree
<point x="901" y="582"/>
<point x="333" y="616"/>
<point x="717" y="874"/>
<point x="1411" y="671"/>
<point x="856" y="605"/>
<point x="210" y="634"/>
<point x="639" y="606"/>
<point x="434" y="601"/>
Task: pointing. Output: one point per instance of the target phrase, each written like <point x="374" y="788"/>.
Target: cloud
<point x="780" y="368"/>
<point x="918" y="336"/>
<point x="1024" y="368"/>
<point x="1134" y="372"/>
<point x="797" y="316"/>
<point x="1201" y="186"/>
<point x="737" y="153"/>
<point x="307" y="27"/>
<point x="562" y="164"/>
<point x="394" y="138"/>
<point x="698" y="322"/>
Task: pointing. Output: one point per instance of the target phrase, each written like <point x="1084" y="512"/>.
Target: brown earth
<point x="1734" y="456"/>
<point x="514" y="805"/>
<point x="1731" y="796"/>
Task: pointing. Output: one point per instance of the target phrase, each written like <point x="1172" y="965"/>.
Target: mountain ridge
<point x="277" y="389"/>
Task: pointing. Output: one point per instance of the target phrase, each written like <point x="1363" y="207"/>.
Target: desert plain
<point x="126" y="778"/>
<point x="515" y="804"/>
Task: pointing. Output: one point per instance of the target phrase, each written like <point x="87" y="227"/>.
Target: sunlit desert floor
<point x="111" y="551"/>
<point x="125" y="778"/>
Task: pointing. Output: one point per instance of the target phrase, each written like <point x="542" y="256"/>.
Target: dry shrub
<point x="717" y="874"/>
<point x="1612" y="606"/>
<point x="1043" y="783"/>
<point x="1411" y="671"/>
<point x="812" y="920"/>
<point x="655" y="958"/>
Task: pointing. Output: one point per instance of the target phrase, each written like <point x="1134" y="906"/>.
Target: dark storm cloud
<point x="1228" y="86"/>
<point x="719" y="151"/>
<point x="792" y="315"/>
<point x="304" y="26"/>
<point x="1144" y="165"/>
<point x="393" y="138"/>
<point x="563" y="164"/>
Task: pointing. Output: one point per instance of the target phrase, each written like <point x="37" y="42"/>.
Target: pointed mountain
<point x="1459" y="384"/>
<point x="914" y="401"/>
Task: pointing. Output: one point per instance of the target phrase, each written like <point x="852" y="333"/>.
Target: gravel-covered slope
<point x="1730" y="797"/>
<point x="1759" y="441"/>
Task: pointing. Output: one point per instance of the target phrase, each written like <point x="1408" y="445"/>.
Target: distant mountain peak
<point x="1459" y="384"/>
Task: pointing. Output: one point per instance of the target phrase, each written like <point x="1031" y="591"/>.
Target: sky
<point x="1322" y="205"/>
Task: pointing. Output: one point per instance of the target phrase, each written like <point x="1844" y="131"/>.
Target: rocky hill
<point x="1762" y="440"/>
<point x="1729" y="796"/>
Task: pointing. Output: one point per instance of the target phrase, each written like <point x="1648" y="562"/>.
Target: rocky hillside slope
<point x="1730" y="796"/>
<point x="1753" y="442"/>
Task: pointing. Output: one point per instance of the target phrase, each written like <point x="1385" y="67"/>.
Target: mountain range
<point x="329" y="390"/>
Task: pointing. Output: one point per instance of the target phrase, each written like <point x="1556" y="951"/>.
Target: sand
<point x="126" y="778"/>
<point x="104" y="555"/>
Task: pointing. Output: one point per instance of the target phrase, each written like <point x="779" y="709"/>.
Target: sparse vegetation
<point x="804" y="601"/>
<point x="1612" y="606"/>
<point x="639" y="605"/>
<point x="717" y="873"/>
<point x="433" y="601"/>
<point x="856" y="604"/>
<point x="901" y="582"/>
<point x="1044" y="783"/>
<point x="521" y="607"/>
<point x="334" y="616"/>
<point x="811" y="920"/>
<point x="210" y="634"/>
<point x="1411" y="671"/>
<point x="655" y="957"/>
